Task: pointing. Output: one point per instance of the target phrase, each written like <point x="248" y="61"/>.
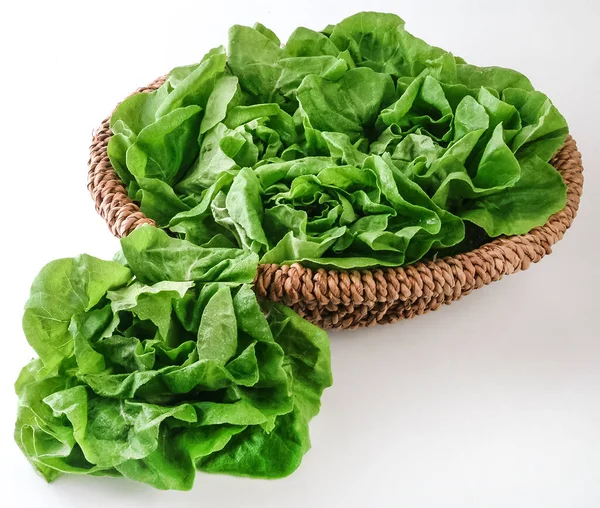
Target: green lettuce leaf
<point x="154" y="256"/>
<point x="63" y="288"/>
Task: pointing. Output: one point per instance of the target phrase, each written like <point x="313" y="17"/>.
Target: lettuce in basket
<point x="165" y="365"/>
<point x="357" y="146"/>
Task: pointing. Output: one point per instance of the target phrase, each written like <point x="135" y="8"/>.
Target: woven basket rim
<point x="331" y="297"/>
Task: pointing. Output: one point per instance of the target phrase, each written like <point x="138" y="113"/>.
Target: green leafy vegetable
<point x="357" y="146"/>
<point x="150" y="372"/>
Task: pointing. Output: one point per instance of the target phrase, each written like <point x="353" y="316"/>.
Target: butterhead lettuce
<point x="149" y="371"/>
<point x="357" y="146"/>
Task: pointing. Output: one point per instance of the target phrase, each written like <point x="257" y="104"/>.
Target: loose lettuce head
<point x="357" y="146"/>
<point x="151" y="372"/>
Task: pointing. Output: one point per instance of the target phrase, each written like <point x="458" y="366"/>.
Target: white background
<point x="491" y="402"/>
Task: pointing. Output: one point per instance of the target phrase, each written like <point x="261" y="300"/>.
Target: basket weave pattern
<point x="347" y="299"/>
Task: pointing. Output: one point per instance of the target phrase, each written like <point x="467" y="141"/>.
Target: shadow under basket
<point x="338" y="299"/>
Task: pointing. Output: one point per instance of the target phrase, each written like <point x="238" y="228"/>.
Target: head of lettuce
<point x="163" y="364"/>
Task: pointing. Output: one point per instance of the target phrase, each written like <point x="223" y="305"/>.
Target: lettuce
<point x="358" y="146"/>
<point x="165" y="365"/>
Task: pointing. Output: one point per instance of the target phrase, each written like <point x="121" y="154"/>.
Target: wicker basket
<point x="348" y="299"/>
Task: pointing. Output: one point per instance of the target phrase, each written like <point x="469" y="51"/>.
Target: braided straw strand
<point x="108" y="191"/>
<point x="338" y="299"/>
